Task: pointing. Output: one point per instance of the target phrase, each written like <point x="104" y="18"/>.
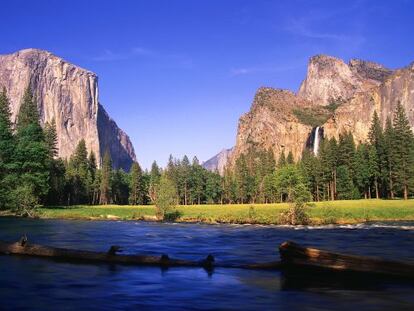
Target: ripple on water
<point x="47" y="284"/>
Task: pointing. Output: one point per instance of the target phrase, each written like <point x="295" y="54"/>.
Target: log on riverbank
<point x="295" y="256"/>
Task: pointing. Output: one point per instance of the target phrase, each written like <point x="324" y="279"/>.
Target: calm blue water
<point x="41" y="284"/>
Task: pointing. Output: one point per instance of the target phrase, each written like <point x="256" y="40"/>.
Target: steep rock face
<point x="358" y="88"/>
<point x="271" y="124"/>
<point x="356" y="115"/>
<point x="219" y="161"/>
<point x="69" y="95"/>
<point x="330" y="79"/>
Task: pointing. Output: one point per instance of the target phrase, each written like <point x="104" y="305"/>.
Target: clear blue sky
<point x="177" y="75"/>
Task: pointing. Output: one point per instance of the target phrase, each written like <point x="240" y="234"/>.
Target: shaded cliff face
<point x="272" y="124"/>
<point x="219" y="161"/>
<point x="69" y="95"/>
<point x="356" y="89"/>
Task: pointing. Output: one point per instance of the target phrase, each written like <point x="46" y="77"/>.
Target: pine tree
<point x="328" y="161"/>
<point x="57" y="168"/>
<point x="362" y="178"/>
<point x="346" y="150"/>
<point x="183" y="182"/>
<point x="78" y="175"/>
<point x="51" y="138"/>
<point x="196" y="181"/>
<point x="119" y="187"/>
<point x="154" y="180"/>
<point x="32" y="156"/>
<point x="93" y="189"/>
<point x="229" y="186"/>
<point x="136" y="195"/>
<point x="106" y="177"/>
<point x="244" y="180"/>
<point x="345" y="185"/>
<point x="403" y="148"/>
<point x="8" y="177"/>
<point x="388" y="158"/>
<point x="376" y="140"/>
<point x="213" y="188"/>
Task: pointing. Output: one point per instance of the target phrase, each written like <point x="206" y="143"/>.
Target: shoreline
<point x="348" y="212"/>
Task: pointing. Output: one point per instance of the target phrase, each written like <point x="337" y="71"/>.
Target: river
<point x="42" y="284"/>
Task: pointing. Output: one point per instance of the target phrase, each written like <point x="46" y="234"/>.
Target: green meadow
<point x="328" y="212"/>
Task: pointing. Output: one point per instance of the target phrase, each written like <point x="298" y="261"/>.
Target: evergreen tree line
<point x="32" y="174"/>
<point x="383" y="167"/>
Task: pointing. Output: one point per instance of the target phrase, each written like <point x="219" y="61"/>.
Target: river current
<point x="42" y="284"/>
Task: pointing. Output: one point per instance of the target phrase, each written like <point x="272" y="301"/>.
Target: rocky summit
<point x="69" y="95"/>
<point x="335" y="95"/>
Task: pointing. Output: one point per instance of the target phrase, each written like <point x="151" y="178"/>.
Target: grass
<point x="339" y="212"/>
<point x="317" y="116"/>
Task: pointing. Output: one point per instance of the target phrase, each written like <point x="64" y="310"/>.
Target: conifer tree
<point x="106" y="176"/>
<point x="328" y="158"/>
<point x="362" y="177"/>
<point x="8" y="177"/>
<point x="345" y="186"/>
<point x="78" y="175"/>
<point x="51" y="138"/>
<point x="213" y="187"/>
<point x="243" y="180"/>
<point x="120" y="183"/>
<point x="388" y="158"/>
<point x="32" y="156"/>
<point x="136" y="194"/>
<point x="346" y="150"/>
<point x="403" y="151"/>
<point x="376" y="140"/>
<point x="154" y="180"/>
<point x="196" y="181"/>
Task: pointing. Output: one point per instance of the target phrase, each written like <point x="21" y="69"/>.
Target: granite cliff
<point x="335" y="96"/>
<point x="69" y="95"/>
<point x="219" y="161"/>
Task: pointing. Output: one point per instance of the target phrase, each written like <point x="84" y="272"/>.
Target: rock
<point x="219" y="161"/>
<point x="112" y="217"/>
<point x="68" y="94"/>
<point x="271" y="123"/>
<point x="357" y="89"/>
<point x="330" y="79"/>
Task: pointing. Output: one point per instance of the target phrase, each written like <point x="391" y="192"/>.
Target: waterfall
<point x="316" y="142"/>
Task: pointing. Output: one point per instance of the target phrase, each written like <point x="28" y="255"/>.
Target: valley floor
<point x="336" y="212"/>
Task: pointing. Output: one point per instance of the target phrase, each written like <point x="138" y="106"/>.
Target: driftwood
<point x="24" y="248"/>
<point x="296" y="256"/>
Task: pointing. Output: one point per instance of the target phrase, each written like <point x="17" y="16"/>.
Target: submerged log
<point x="24" y="248"/>
<point x="28" y="249"/>
<point x="296" y="256"/>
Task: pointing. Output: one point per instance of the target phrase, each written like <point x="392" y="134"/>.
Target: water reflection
<point x="33" y="283"/>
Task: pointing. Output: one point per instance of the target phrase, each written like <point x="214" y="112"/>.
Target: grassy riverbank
<point x="339" y="212"/>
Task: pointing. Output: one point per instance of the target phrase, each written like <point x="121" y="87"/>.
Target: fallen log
<point x="24" y="248"/>
<point x="296" y="256"/>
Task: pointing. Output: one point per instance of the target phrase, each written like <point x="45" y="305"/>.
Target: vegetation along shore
<point x="320" y="213"/>
<point x="255" y="189"/>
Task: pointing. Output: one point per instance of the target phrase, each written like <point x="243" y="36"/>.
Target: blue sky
<point x="177" y="75"/>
